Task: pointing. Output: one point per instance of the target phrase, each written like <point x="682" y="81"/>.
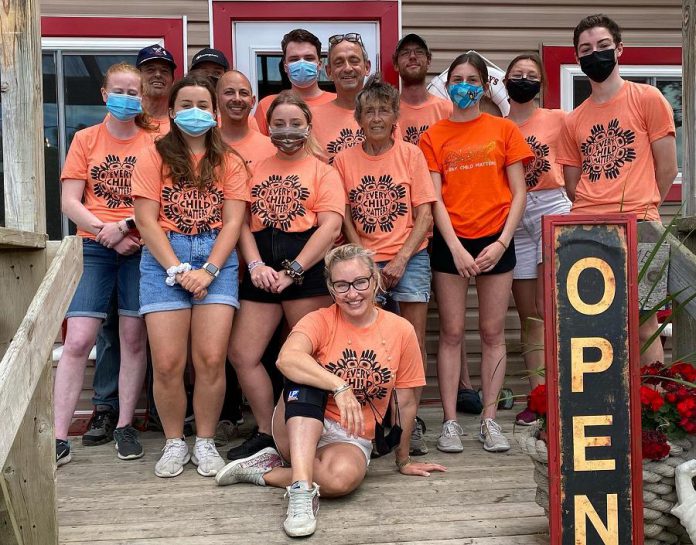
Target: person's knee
<point x="209" y="364"/>
<point x="451" y="333"/>
<point x="344" y="478"/>
<point x="134" y="336"/>
<point x="492" y="335"/>
<point x="168" y="371"/>
<point x="78" y="346"/>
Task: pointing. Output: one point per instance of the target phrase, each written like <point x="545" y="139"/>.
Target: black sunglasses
<point x="353" y="37"/>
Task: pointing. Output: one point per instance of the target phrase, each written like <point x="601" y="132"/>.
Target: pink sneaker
<point x="526" y="418"/>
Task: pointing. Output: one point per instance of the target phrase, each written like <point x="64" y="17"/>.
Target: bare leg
<point x="494" y="297"/>
<point x="297" y="309"/>
<point x="417" y="315"/>
<point x="169" y="334"/>
<point x="654" y="352"/>
<point x="526" y="297"/>
<point x="79" y="340"/>
<point x="210" y="335"/>
<point x="133" y="339"/>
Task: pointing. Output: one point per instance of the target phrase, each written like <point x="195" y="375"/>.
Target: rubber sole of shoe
<point x="450" y="449"/>
<point x="303" y="531"/>
<point x="170" y="475"/>
<point x="129" y="456"/>
<point x="64" y="460"/>
<point x="211" y="473"/>
<point x="493" y="449"/>
<point x="418" y="452"/>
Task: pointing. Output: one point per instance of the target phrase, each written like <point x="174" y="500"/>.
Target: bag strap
<point x="378" y="416"/>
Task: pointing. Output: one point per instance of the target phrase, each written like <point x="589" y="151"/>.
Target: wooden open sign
<point x="593" y="377"/>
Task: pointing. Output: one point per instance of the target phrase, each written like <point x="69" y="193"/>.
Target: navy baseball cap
<point x="154" y="53"/>
<point x="209" y="55"/>
<point x="411" y="38"/>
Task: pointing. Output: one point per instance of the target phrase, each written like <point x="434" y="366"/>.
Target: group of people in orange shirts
<point x="337" y="206"/>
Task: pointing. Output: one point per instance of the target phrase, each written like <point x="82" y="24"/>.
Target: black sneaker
<point x="101" y="427"/>
<point x="255" y="442"/>
<point x="63" y="455"/>
<point x="127" y="445"/>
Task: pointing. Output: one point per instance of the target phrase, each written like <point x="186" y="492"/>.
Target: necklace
<point x="375" y="323"/>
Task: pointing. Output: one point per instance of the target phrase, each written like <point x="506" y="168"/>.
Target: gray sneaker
<point x="250" y="469"/>
<point x="492" y="436"/>
<point x="418" y="446"/>
<point x="449" y="440"/>
<point x="101" y="426"/>
<point x="303" y="505"/>
<point x="206" y="457"/>
<point x="175" y="456"/>
<point x="128" y="446"/>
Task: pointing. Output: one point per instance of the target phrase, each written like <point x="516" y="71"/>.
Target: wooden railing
<point x="34" y="301"/>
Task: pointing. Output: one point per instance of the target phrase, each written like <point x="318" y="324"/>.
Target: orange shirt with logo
<point x="106" y="164"/>
<point x="472" y="157"/>
<point x="265" y="103"/>
<point x="183" y="207"/>
<point x="383" y="192"/>
<point x="373" y="360"/>
<point x="335" y="129"/>
<point x="542" y="131"/>
<point x="415" y="120"/>
<point x="611" y="143"/>
<point x="288" y="195"/>
<point x="253" y="148"/>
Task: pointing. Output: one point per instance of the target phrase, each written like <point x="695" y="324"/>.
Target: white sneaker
<point x="175" y="456"/>
<point x="250" y="469"/>
<point x="449" y="440"/>
<point x="492" y="437"/>
<point x="302" y="509"/>
<point x="206" y="457"/>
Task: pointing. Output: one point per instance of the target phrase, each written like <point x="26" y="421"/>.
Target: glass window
<point x="272" y="78"/>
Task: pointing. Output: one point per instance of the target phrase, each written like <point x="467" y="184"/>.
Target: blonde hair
<point x="348" y="252"/>
<point x="288" y="97"/>
<point x="143" y="120"/>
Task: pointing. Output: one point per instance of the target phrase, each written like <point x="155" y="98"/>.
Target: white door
<point x="257" y="53"/>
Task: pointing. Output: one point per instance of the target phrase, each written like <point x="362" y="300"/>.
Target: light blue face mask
<point x="303" y="73"/>
<point x="465" y="95"/>
<point x="194" y="121"/>
<point x="123" y="107"/>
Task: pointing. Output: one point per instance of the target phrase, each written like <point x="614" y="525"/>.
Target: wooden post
<point x="22" y="115"/>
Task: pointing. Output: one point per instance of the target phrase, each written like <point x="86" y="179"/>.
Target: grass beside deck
<point x="484" y="499"/>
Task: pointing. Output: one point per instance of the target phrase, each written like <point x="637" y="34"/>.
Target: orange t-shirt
<point x="253" y="147"/>
<point x="106" y="164"/>
<point x="265" y="103"/>
<point x="335" y="129"/>
<point x="541" y="131"/>
<point x="288" y="195"/>
<point x="183" y="207"/>
<point x="472" y="156"/>
<point x="383" y="192"/>
<point x="373" y="360"/>
<point x="611" y="142"/>
<point x="415" y="120"/>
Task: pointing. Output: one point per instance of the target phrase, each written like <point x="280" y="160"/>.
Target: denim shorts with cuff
<point x="414" y="284"/>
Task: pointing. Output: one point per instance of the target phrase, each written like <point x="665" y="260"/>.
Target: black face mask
<point x="522" y="90"/>
<point x="598" y="65"/>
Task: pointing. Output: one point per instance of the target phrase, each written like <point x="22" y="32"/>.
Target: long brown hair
<point x="142" y="120"/>
<point x="177" y="159"/>
<point x="288" y="97"/>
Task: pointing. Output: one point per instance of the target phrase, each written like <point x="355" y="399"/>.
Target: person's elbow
<point x="284" y="361"/>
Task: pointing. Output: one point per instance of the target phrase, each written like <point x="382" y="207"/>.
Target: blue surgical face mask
<point x="465" y="95"/>
<point x="194" y="121"/>
<point x="123" y="107"/>
<point x="303" y="73"/>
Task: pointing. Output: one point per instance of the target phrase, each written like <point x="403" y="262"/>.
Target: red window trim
<point x="171" y="30"/>
<point x="555" y="56"/>
<point x="386" y="13"/>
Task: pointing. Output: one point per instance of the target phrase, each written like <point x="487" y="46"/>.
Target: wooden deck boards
<point x="484" y="499"/>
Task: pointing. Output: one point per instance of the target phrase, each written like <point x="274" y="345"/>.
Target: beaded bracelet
<point x="402" y="464"/>
<point x="253" y="264"/>
<point x="341" y="389"/>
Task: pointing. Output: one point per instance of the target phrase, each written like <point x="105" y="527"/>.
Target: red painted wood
<point x="171" y="30"/>
<point x="385" y="13"/>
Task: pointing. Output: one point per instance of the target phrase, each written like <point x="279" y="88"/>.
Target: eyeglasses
<point x="359" y="284"/>
<point x="419" y="52"/>
<point x="352" y="37"/>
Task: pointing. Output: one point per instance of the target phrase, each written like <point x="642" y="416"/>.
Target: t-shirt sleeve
<point x="76" y="161"/>
<point x="260" y="116"/>
<point x="568" y="152"/>
<point x="422" y="188"/>
<point x="426" y="146"/>
<point x="314" y="327"/>
<point x="330" y="192"/>
<point x="147" y="176"/>
<point x="659" y="116"/>
<point x="235" y="186"/>
<point x="410" y="372"/>
<point x="340" y="165"/>
<point x="516" y="148"/>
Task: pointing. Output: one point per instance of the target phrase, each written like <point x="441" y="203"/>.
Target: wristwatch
<point x="130" y="223"/>
<point x="211" y="269"/>
<point x="294" y="270"/>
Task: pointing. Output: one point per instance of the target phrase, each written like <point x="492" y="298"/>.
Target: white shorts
<point x="528" y="234"/>
<point x="333" y="432"/>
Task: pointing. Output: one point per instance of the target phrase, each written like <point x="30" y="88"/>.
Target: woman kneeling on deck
<point x="341" y="364"/>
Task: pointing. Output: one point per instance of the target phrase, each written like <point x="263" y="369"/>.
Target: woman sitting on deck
<point x="341" y="364"/>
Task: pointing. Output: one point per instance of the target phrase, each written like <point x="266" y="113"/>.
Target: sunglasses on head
<point x="353" y="37"/>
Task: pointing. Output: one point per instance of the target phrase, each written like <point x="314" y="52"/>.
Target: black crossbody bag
<point x="384" y="444"/>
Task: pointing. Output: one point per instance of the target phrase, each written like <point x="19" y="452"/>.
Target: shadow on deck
<point x="484" y="499"/>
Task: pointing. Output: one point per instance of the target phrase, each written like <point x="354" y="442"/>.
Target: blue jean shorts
<point x="104" y="268"/>
<point x="156" y="296"/>
<point x="414" y="286"/>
